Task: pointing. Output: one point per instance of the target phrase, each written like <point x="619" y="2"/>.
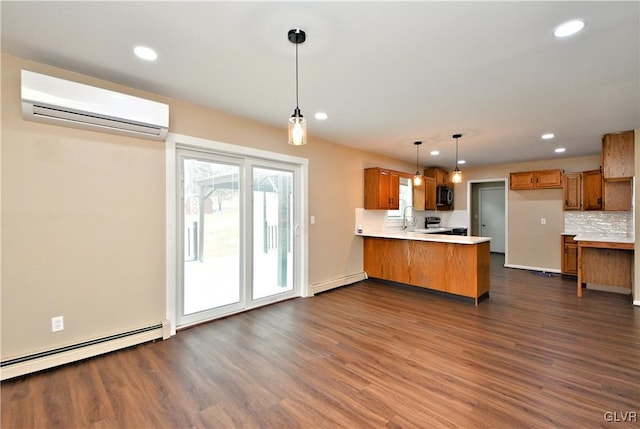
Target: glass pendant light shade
<point x="297" y="129"/>
<point x="457" y="176"/>
<point x="417" y="178"/>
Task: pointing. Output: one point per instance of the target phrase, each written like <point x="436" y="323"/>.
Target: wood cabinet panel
<point x="618" y="155"/>
<point x="381" y="189"/>
<point x="572" y="191"/>
<point x="430" y="192"/>
<point x="569" y="265"/>
<point x="582" y="191"/>
<point x="424" y="195"/>
<point x="441" y="176"/>
<point x="592" y="190"/>
<point x="547" y="179"/>
<point x="617" y="196"/>
<point x="460" y="269"/>
<point x="521" y="180"/>
<point x="387" y="259"/>
<point x="540" y="179"/>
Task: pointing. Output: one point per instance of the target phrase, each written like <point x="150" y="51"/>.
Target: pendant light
<point x="297" y="122"/>
<point x="457" y="174"/>
<point x="417" y="179"/>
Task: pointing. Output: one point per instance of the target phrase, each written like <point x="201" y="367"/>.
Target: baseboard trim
<point x="525" y="267"/>
<point x="340" y="281"/>
<point x="45" y="360"/>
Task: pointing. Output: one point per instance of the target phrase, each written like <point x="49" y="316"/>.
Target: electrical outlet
<point x="543" y="221"/>
<point x="57" y="323"/>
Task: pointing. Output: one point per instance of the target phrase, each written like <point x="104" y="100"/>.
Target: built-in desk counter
<point x="605" y="259"/>
<point x="458" y="265"/>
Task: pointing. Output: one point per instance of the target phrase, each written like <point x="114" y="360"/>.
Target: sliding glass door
<point x="237" y="234"/>
<point x="272" y="232"/>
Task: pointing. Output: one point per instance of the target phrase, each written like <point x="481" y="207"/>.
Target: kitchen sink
<point x="438" y="230"/>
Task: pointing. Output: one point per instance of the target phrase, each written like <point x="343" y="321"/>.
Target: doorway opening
<point x="488" y="214"/>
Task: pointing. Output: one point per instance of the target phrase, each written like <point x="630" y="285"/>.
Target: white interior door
<point x="492" y="220"/>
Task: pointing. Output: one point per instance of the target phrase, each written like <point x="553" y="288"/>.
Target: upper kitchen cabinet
<point x="618" y="156"/>
<point x="582" y="191"/>
<point x="441" y="176"/>
<point x="381" y="189"/>
<point x="424" y="195"/>
<point x="572" y="191"/>
<point x="541" y="179"/>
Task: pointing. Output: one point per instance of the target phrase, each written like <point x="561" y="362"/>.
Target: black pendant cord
<point x="297" y="105"/>
<point x="456" y="153"/>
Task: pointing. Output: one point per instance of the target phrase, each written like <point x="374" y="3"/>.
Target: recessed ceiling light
<point x="435" y="152"/>
<point x="321" y="116"/>
<point x="559" y="150"/>
<point x="547" y="136"/>
<point x="569" y="28"/>
<point x="145" y="53"/>
<point x="462" y="161"/>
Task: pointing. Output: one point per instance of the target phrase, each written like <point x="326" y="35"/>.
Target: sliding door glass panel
<point x="272" y="232"/>
<point x="211" y="235"/>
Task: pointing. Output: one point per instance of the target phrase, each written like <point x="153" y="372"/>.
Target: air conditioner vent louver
<point x="60" y="102"/>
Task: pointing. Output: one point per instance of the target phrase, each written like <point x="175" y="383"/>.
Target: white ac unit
<point x="62" y="102"/>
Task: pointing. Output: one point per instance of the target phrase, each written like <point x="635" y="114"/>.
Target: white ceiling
<point x="386" y="73"/>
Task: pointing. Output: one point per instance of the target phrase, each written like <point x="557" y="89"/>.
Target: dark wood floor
<point x="366" y="355"/>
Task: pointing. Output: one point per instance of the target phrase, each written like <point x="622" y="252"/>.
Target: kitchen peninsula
<point x="457" y="265"/>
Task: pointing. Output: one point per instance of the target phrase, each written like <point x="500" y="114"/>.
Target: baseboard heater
<point x="74" y="352"/>
<point x="340" y="281"/>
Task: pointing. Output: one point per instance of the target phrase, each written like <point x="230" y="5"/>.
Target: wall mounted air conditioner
<point x="62" y="102"/>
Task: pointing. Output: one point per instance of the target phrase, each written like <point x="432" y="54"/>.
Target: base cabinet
<point x="569" y="265"/>
<point x="459" y="269"/>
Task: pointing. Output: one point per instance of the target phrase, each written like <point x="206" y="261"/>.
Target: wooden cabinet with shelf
<point x="381" y="189"/>
<point x="582" y="190"/>
<point x="424" y="195"/>
<point x="617" y="196"/>
<point x="569" y="251"/>
<point x="541" y="179"/>
<point x="618" y="156"/>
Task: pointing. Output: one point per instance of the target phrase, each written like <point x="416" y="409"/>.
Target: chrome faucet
<point x="404" y="217"/>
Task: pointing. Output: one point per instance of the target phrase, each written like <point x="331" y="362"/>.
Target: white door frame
<point x="301" y="269"/>
<point x="504" y="180"/>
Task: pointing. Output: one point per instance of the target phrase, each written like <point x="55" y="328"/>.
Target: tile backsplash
<point x="599" y="221"/>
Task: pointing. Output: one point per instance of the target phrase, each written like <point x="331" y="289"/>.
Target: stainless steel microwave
<point x="444" y="196"/>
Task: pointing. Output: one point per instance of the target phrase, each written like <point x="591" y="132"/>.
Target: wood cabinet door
<point x="522" y="180"/>
<point x="430" y="193"/>
<point x="618" y="155"/>
<point x="592" y="190"/>
<point x="419" y="195"/>
<point x="572" y="190"/>
<point x="393" y="191"/>
<point x="548" y="179"/>
<point x="570" y="259"/>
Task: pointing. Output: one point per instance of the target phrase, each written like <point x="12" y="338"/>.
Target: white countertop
<point x="604" y="236"/>
<point x="408" y="235"/>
